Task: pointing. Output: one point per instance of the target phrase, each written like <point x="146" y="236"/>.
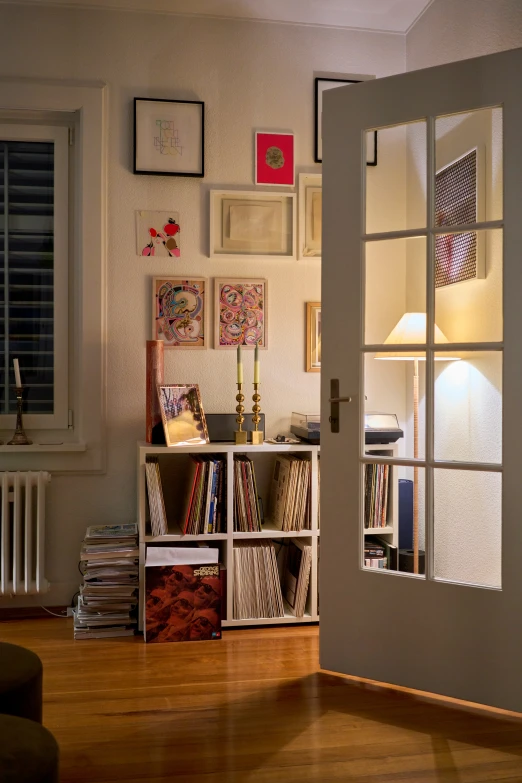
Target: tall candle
<point x="18" y="380"/>
<point x="256" y="364"/>
<point x="239" y="365"/>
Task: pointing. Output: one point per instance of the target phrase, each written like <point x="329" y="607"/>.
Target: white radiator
<point x="22" y="533"/>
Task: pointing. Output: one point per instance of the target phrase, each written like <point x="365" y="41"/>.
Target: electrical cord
<point x="54" y="614"/>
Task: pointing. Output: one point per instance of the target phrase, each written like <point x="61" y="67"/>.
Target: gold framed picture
<point x="313" y="337"/>
<point x="182" y="414"/>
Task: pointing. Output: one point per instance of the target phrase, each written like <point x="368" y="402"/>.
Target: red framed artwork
<point x="275" y="159"/>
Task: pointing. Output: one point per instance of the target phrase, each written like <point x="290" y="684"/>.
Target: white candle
<point x="239" y="365"/>
<point x="256" y="364"/>
<point x="18" y="380"/>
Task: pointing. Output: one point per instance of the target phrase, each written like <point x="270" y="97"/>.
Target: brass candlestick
<point x="258" y="436"/>
<point x="19" y="438"/>
<point x="240" y="435"/>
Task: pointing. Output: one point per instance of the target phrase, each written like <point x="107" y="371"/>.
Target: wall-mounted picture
<point x="274" y="156"/>
<point x="313" y="337"/>
<point x="158" y="234"/>
<point x="179" y="312"/>
<point x="169" y="137"/>
<point x="245" y="223"/>
<point x="241" y="313"/>
<point x="310" y="215"/>
<point x="329" y="84"/>
<point x="182" y="414"/>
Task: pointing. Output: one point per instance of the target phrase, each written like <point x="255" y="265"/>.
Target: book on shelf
<point x="183" y="594"/>
<point x="290" y="492"/>
<point x="158" y="515"/>
<point x="108" y="597"/>
<point x="375" y="553"/>
<point x="205" y="499"/>
<point x="257" y="589"/>
<point x="247" y="510"/>
<point x="376" y="495"/>
<point x="296" y="575"/>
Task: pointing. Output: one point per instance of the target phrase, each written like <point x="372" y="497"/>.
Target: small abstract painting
<point x="241" y="313"/>
<point x="169" y="137"/>
<point x="275" y="159"/>
<point x="158" y="234"/>
<point x="179" y="312"/>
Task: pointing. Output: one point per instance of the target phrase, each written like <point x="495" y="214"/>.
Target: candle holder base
<point x="20" y="439"/>
<point x="240" y="437"/>
<point x="258" y="437"/>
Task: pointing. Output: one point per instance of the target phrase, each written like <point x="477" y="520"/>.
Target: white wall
<point x="251" y="76"/>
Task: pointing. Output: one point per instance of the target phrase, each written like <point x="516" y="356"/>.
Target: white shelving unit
<point x="391" y="531"/>
<point x="172" y="461"/>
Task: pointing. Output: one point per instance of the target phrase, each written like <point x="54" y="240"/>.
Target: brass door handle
<point x="340" y="399"/>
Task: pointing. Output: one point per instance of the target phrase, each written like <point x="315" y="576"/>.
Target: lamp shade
<point x="410" y="330"/>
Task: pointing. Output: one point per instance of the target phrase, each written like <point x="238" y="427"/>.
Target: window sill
<point x="40" y="448"/>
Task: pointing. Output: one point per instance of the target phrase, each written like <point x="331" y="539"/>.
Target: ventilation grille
<point x="456" y="205"/>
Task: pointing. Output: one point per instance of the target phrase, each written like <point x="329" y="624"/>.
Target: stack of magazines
<point x="109" y="594"/>
<point x="257" y="586"/>
<point x="247" y="510"/>
<point x="290" y="493"/>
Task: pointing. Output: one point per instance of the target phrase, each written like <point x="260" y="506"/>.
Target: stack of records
<point x="296" y="576"/>
<point x="206" y="498"/>
<point x="290" y="493"/>
<point x="158" y="516"/>
<point x="376" y="491"/>
<point x="109" y="594"/>
<point x="257" y="586"/>
<point x="247" y="511"/>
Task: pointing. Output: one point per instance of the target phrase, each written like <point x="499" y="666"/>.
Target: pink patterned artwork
<point x="241" y="313"/>
<point x="158" y="234"/>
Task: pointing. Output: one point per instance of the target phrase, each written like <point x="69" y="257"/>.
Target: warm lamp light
<point x="411" y="330"/>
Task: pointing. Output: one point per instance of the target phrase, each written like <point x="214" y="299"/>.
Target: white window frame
<point x="80" y="447"/>
<point x="59" y="136"/>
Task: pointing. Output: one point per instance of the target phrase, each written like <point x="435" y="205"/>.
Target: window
<point x="34" y="224"/>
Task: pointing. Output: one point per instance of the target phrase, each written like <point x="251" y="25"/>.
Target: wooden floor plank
<point x="253" y="707"/>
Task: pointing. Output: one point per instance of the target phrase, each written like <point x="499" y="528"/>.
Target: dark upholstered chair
<point x="28" y="752"/>
<point x="20" y="683"/>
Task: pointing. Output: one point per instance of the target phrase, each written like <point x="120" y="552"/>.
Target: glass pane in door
<point x="396" y="187"/>
<point x="468" y="527"/>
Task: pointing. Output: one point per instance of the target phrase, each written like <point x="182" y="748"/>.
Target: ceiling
<point x="396" y="16"/>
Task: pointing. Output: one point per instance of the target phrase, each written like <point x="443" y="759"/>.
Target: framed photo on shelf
<point x="274" y="156"/>
<point x="182" y="414"/>
<point x="179" y="312"/>
<point x="169" y="137"/>
<point x="313" y="337"/>
<point x="251" y="223"/>
<point x="310" y="215"/>
<point x="158" y="234"/>
<point x="241" y="313"/>
<point x="322" y="84"/>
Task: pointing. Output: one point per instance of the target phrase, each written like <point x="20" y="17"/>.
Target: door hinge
<point x="71" y="137"/>
<point x="70" y="423"/>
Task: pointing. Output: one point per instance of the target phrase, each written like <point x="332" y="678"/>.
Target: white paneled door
<point x="420" y="581"/>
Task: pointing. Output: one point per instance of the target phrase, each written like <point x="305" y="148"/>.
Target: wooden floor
<point x="252" y="707"/>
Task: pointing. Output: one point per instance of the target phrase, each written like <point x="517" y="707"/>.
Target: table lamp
<point x="411" y="329"/>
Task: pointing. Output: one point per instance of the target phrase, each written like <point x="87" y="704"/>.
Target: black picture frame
<point x="198" y="171"/>
<point x="318" y="79"/>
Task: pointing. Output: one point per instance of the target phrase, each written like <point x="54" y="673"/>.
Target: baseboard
<point x="29" y="612"/>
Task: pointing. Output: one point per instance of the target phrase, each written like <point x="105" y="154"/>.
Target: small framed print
<point x="169" y="137"/>
<point x="328" y="84"/>
<point x="310" y="215"/>
<point x="182" y="414"/>
<point x="274" y="156"/>
<point x="179" y="312"/>
<point x="313" y="337"/>
<point x="252" y="223"/>
<point x="241" y="313"/>
<point x="158" y="234"/>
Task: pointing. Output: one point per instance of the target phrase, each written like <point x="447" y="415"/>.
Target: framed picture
<point x="328" y="84"/>
<point x="274" y="158"/>
<point x="182" y="414"/>
<point x="310" y="215"/>
<point x="158" y="234"/>
<point x="241" y="312"/>
<point x="251" y="223"/>
<point x="179" y="312"/>
<point x="313" y="337"/>
<point x="169" y="137"/>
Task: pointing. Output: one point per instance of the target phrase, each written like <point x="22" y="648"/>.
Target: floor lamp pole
<point x="415" y="469"/>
